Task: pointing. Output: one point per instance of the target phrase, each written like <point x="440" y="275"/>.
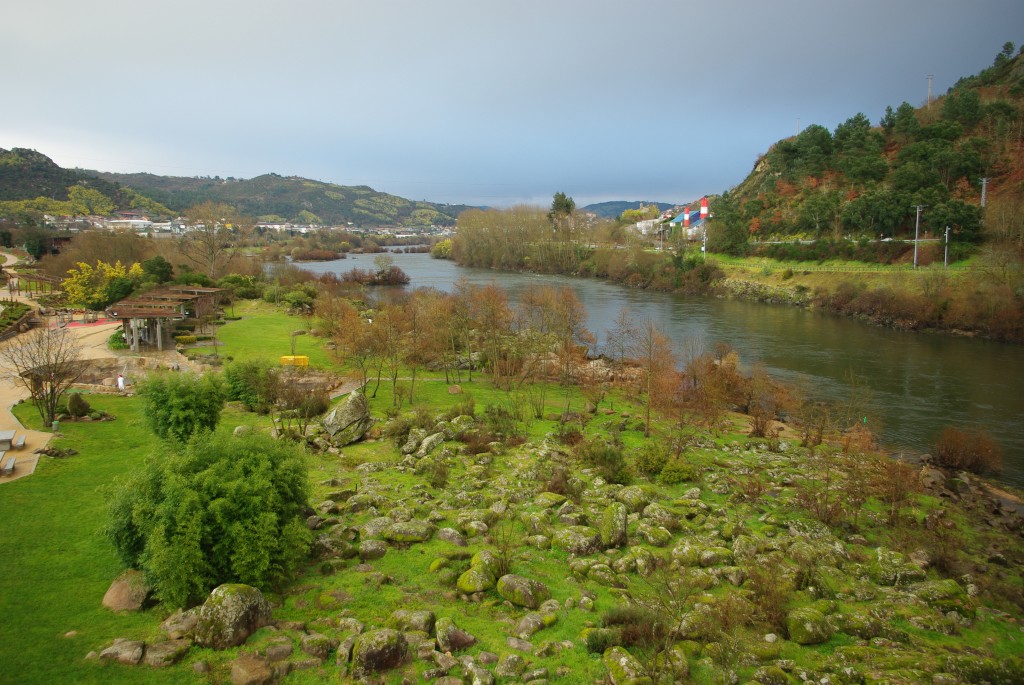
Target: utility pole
<point x="917" y="230"/>
<point x="945" y="260"/>
<point x="929" y="105"/>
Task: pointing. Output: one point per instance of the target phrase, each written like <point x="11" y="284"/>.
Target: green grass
<point x="57" y="565"/>
<point x="264" y="332"/>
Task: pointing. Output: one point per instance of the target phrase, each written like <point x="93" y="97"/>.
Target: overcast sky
<point x="471" y="101"/>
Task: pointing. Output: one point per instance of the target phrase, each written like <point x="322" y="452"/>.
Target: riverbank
<point x="974" y="303"/>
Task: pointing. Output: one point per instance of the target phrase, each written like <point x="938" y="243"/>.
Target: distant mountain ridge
<point x="272" y="197"/>
<point x="33" y="184"/>
<point x="614" y="208"/>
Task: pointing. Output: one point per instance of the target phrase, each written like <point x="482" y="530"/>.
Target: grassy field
<point x="55" y="562"/>
<point x="264" y="332"/>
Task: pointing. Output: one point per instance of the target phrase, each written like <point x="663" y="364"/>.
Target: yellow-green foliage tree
<point x="97" y="288"/>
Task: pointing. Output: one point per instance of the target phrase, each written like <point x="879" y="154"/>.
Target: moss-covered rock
<point x="547" y="500"/>
<point x="408" y="531"/>
<point x="230" y="615"/>
<point x="579" y="540"/>
<point x="377" y="650"/>
<point x="476" y="579"/>
<point x="613" y="525"/>
<point x="623" y="668"/>
<point x="523" y="592"/>
<point x="408" y="619"/>
<point x="976" y="669"/>
<point x="634" y="497"/>
<point x="451" y="638"/>
<point x="808" y="626"/>
<point x="892" y="568"/>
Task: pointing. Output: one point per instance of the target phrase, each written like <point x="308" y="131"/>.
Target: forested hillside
<point x="31" y="184"/>
<point x="867" y="181"/>
<point x="271" y="197"/>
<point x="615" y="208"/>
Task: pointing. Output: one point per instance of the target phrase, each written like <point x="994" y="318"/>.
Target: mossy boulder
<point x="944" y="596"/>
<point x="377" y="650"/>
<point x="623" y="668"/>
<point x="451" y="638"/>
<point x="476" y="579"/>
<point x="230" y="615"/>
<point x="522" y="591"/>
<point x="613" y="525"/>
<point x="634" y="497"/>
<point x="808" y="626"/>
<point x="409" y="531"/>
<point x="547" y="500"/>
<point x="349" y="422"/>
<point x="976" y="669"/>
<point x="892" y="568"/>
<point x="580" y="540"/>
<point x="407" y="619"/>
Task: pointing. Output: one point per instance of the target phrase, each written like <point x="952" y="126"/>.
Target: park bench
<point x="8" y="468"/>
<point x="19" y="443"/>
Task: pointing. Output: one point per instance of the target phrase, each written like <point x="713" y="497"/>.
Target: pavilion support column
<point x="135" y="336"/>
<point x="159" y="335"/>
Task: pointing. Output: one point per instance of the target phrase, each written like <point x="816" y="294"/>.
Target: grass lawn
<point x="264" y="332"/>
<point x="56" y="563"/>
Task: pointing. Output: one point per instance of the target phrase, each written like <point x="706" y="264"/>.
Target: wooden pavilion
<point x="148" y="319"/>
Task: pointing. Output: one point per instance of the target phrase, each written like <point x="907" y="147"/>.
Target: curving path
<point x="93" y="340"/>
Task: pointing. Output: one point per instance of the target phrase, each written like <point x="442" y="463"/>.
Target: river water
<point x="919" y="382"/>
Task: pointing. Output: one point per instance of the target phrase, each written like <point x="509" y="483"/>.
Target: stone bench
<point x="8" y="468"/>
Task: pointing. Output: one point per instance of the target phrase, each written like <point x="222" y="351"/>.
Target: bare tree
<point x="214" y="228"/>
<point x="46" y="362"/>
<point x="652" y="352"/>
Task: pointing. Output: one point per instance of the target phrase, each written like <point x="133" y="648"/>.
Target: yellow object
<point x="295" y="360"/>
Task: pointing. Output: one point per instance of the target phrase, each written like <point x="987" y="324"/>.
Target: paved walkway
<point x="92" y="338"/>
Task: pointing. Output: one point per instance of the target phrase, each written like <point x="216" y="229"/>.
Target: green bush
<point x="607" y="459"/>
<point x="254" y="383"/>
<point x="677" y="470"/>
<point x="221" y="509"/>
<point x="177" y="405"/>
<point x="651" y="458"/>
<point x="117" y="341"/>
<point x="77" y="406"/>
<point x="185" y="339"/>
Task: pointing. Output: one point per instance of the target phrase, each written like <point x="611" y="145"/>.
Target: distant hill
<point x="612" y="209"/>
<point x="271" y="197"/>
<point x="31" y="184"/>
<point x="867" y="180"/>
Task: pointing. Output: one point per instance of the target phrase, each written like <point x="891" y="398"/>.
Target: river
<point x="919" y="382"/>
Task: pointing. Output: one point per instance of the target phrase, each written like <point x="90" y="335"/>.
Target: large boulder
<point x="377" y="650"/>
<point x="522" y="591"/>
<point x="613" y="525"/>
<point x="475" y="579"/>
<point x="409" y="531"/>
<point x="230" y="615"/>
<point x="579" y="540"/>
<point x="349" y="422"/>
<point x="128" y="592"/>
<point x="808" y="626"/>
<point x="409" y="619"/>
<point x="451" y="638"/>
<point x="623" y="668"/>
